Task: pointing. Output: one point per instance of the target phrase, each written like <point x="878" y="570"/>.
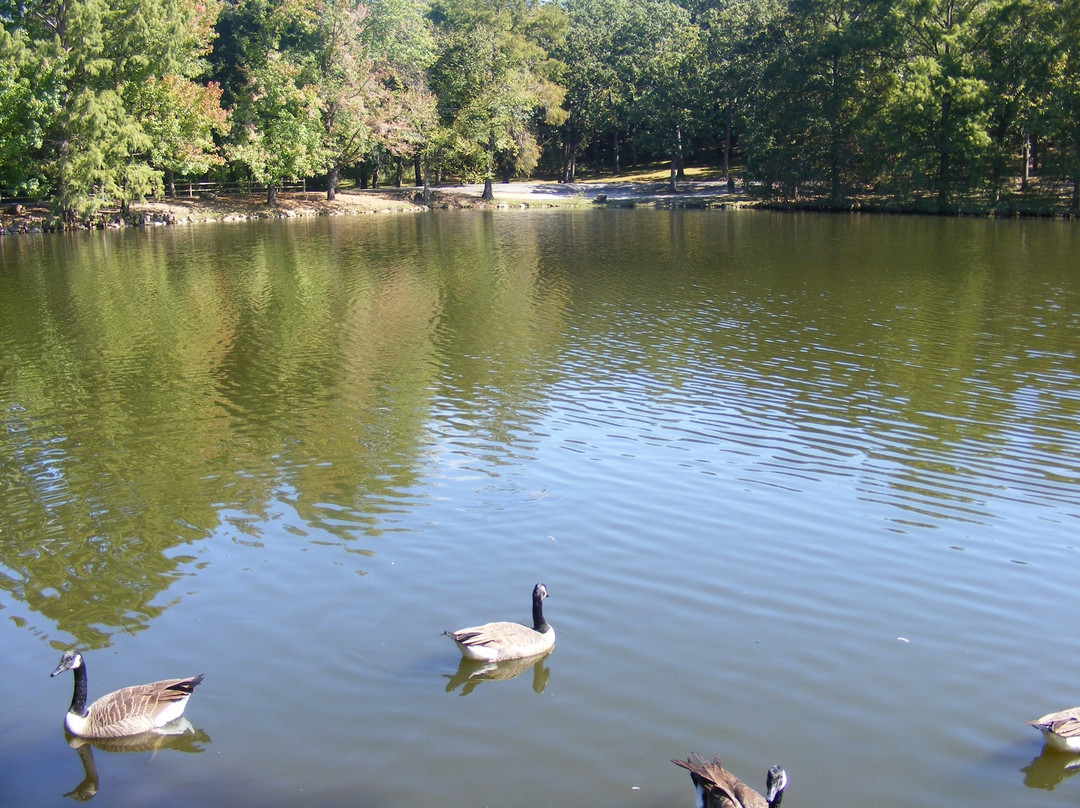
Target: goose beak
<point x="59" y="669"/>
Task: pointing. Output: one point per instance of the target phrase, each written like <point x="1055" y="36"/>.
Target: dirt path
<point x="640" y="190"/>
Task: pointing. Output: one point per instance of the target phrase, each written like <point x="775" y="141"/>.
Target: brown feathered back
<point x="722" y="788"/>
<point x="137" y="709"/>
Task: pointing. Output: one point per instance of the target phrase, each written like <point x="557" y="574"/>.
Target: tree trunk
<point x="332" y="179"/>
<point x="170" y="183"/>
<point x="506" y="172"/>
<point x="399" y="170"/>
<point x="420" y="174"/>
<point x="427" y="187"/>
<point x="375" y="169"/>
<point x="1076" y="187"/>
<point x="1025" y="167"/>
<point x="944" y="154"/>
<point x="489" y="192"/>
<point x="271" y="194"/>
<point x="727" y="144"/>
<point x="676" y="159"/>
<point x="836" y="191"/>
<point x="616" y="169"/>
<point x="570" y="150"/>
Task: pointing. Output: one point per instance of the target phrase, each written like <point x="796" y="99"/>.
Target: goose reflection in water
<point x="1048" y="769"/>
<point x="181" y="736"/>
<point x="471" y="672"/>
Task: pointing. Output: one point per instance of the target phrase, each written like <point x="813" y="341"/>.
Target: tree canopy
<point x="937" y="101"/>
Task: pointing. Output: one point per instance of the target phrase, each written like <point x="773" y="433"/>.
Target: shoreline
<point x="36" y="218"/>
<point x="26" y="218"/>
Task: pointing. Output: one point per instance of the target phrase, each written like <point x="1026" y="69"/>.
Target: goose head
<point x="70" y="661"/>
<point x="775" y="783"/>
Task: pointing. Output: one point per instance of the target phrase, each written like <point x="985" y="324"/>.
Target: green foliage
<point x="88" y="109"/>
<point x="278" y="125"/>
<point x="819" y="94"/>
<point x="27" y="101"/>
<point x="371" y="79"/>
<point x="939" y="109"/>
<point x="924" y="98"/>
<point x="494" y="80"/>
<point x="183" y="119"/>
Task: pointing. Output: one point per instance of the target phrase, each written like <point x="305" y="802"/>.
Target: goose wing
<point x="140" y="708"/>
<point x="723" y="789"/>
<point x="498" y="635"/>
<point x="713" y="779"/>
<point x="1065" y="723"/>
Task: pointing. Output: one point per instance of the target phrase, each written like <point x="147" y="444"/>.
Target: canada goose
<point x="128" y="711"/>
<point x="495" y="642"/>
<point x="1060" y="730"/>
<point x="719" y="788"/>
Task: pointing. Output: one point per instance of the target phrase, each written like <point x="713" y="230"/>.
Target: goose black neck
<point x="78" y="698"/>
<point x="539" y="623"/>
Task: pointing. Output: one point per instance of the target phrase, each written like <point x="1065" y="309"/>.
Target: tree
<point x="734" y="67"/>
<point x="493" y="76"/>
<point x="669" y="80"/>
<point x="937" y="117"/>
<point x="161" y="47"/>
<point x="182" y="119"/>
<point x="266" y="66"/>
<point x="85" y="71"/>
<point x="278" y="126"/>
<point x="591" y="85"/>
<point x="27" y="104"/>
<point x="624" y="60"/>
<point x="88" y="142"/>
<point x="1062" y="117"/>
<point x="371" y="63"/>
<point x="824" y="86"/>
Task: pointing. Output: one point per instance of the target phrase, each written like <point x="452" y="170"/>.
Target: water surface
<point x="803" y="489"/>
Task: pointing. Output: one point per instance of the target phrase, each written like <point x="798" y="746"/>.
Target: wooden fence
<point x="191" y="189"/>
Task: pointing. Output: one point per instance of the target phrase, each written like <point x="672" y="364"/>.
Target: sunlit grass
<point x="654" y="173"/>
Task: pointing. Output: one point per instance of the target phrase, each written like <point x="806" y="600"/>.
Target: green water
<point x="802" y="488"/>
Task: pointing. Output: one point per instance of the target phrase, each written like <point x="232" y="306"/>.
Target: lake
<point x="803" y="489"/>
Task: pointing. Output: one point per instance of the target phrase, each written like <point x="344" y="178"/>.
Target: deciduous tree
<point x="493" y="75"/>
